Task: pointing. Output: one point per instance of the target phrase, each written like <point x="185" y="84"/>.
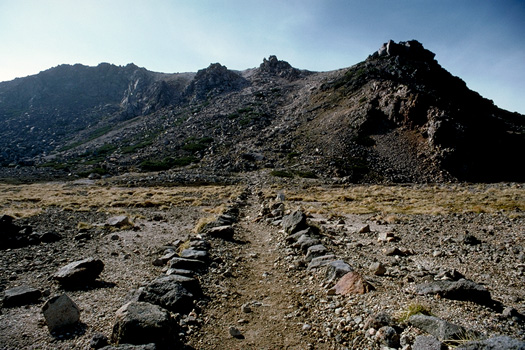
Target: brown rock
<point x="351" y="283"/>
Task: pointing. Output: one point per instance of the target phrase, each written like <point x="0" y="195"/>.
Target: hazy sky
<point x="482" y="42"/>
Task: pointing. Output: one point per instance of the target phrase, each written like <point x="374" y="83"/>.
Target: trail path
<point x="256" y="276"/>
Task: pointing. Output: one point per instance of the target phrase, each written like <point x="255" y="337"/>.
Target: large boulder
<point x="144" y="323"/>
<point x="174" y="293"/>
<point x="60" y="312"/>
<point x="79" y="273"/>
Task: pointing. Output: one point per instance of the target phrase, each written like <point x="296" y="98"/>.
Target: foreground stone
<point x="80" y="272"/>
<point x="427" y="342"/>
<point x="224" y="232"/>
<point x="294" y="222"/>
<point x="119" y="221"/>
<point x="351" y="283"/>
<point x="441" y="329"/>
<point x="174" y="293"/>
<point x="337" y="269"/>
<point x="458" y="290"/>
<point x="499" y="343"/>
<point x="21" y="295"/>
<point x="60" y="312"/>
<point x="144" y="323"/>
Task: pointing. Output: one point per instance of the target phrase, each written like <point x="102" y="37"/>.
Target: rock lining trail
<point x="256" y="295"/>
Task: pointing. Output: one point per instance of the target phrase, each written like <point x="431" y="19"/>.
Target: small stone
<point x="306" y="327"/>
<point x="393" y="251"/>
<point x="194" y="254"/>
<point x="388" y="336"/>
<point x="236" y="333"/>
<point x="98" y="341"/>
<point x="119" y="221"/>
<point x="377" y="269"/>
<point x="246" y="308"/>
<point x="315" y="251"/>
<point x="365" y="229"/>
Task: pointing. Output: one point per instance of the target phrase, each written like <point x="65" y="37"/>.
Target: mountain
<point x="398" y="116"/>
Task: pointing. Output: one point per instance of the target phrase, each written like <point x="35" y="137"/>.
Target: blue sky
<point x="482" y="42"/>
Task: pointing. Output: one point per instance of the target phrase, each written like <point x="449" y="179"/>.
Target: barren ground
<point x="290" y="306"/>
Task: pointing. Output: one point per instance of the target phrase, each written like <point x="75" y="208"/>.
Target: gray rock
<point x="294" y="222"/>
<point x="236" y="333"/>
<point x="388" y="336"/>
<point x="393" y="251"/>
<point x="315" y="251"/>
<point x="304" y="242"/>
<point x="295" y="236"/>
<point x="320" y="261"/>
<point x="98" y="341"/>
<point x="378" y="320"/>
<point x="80" y="272"/>
<point x="60" y="312"/>
<point x="427" y="342"/>
<point x="224" y="232"/>
<point x="495" y="343"/>
<point x="337" y="269"/>
<point x="144" y="323"/>
<point x="458" y="290"/>
<point x="377" y="269"/>
<point x="186" y="264"/>
<point x="163" y="260"/>
<point x="21" y="295"/>
<point x="174" y="293"/>
<point x="441" y="329"/>
<point x="187" y="273"/>
<point x="191" y="253"/>
<point x="119" y="221"/>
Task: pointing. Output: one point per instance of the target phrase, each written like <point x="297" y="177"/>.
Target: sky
<point x="481" y="41"/>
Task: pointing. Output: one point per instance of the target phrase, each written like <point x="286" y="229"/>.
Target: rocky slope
<point x="398" y="116"/>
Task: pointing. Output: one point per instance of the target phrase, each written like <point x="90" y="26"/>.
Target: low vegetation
<point x="409" y="199"/>
<point x="28" y="200"/>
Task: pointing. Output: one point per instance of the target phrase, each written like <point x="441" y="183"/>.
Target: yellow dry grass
<point x="28" y="200"/>
<point x="409" y="199"/>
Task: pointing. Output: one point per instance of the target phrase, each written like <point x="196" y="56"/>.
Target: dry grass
<point x="412" y="199"/>
<point x="28" y="200"/>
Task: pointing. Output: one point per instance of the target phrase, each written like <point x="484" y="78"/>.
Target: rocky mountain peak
<point x="214" y="79"/>
<point x="411" y="49"/>
<point x="274" y="67"/>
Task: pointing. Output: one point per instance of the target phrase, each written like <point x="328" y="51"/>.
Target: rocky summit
<point x="396" y="117"/>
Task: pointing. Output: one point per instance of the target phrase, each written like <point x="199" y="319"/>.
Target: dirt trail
<point x="255" y="275"/>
